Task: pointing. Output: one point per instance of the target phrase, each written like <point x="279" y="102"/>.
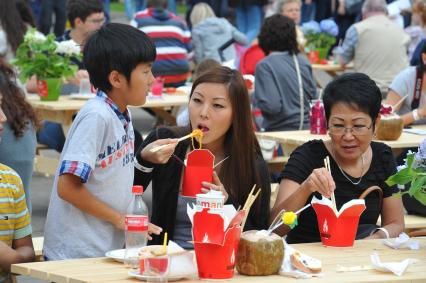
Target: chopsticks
<point x="249" y="202"/>
<point x="192" y="134"/>
<point x="157" y="148"/>
<point x="327" y="166"/>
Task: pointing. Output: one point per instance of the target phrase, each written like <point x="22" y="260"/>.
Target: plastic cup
<point x="157" y="87"/>
<point x="156" y="268"/>
<point x="212" y="200"/>
<point x="85" y="87"/>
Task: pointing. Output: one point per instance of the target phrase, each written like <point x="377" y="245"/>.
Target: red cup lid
<point x="137" y="189"/>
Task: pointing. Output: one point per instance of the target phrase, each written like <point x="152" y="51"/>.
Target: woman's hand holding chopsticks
<point x="320" y="181"/>
<point x="162" y="155"/>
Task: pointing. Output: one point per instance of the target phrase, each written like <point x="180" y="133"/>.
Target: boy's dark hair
<point x="356" y="90"/>
<point x="278" y="33"/>
<point x="118" y="47"/>
<point x="83" y="9"/>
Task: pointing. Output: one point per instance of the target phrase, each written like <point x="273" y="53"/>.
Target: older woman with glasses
<point x="352" y="103"/>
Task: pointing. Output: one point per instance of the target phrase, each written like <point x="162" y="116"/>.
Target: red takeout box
<point x="338" y="229"/>
<point x="215" y="245"/>
<point x="199" y="168"/>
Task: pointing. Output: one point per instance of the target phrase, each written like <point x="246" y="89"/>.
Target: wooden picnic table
<point x="106" y="270"/>
<point x="292" y="139"/>
<point x="61" y="111"/>
<point x="331" y="69"/>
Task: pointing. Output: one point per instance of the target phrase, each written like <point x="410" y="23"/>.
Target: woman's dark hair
<point x="116" y="47"/>
<point x="356" y="90"/>
<point x="17" y="110"/>
<point x="25" y="12"/>
<point x="83" y="9"/>
<point x="278" y="33"/>
<point x="239" y="173"/>
<point x="11" y="23"/>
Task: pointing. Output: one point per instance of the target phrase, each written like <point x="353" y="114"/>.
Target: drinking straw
<point x="165" y="242"/>
<point x="399" y="102"/>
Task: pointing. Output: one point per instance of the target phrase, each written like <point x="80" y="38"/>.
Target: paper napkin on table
<point x="398" y="268"/>
<point x="287" y="268"/>
<point x="402" y="241"/>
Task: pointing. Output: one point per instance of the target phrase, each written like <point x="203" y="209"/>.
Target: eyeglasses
<point x="357" y="130"/>
<point x="96" y="21"/>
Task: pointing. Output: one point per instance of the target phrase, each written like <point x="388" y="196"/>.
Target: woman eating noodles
<point x="219" y="106"/>
<point x="352" y="103"/>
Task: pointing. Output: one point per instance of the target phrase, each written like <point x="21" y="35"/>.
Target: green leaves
<point x="416" y="176"/>
<point x="319" y="40"/>
<point x="37" y="55"/>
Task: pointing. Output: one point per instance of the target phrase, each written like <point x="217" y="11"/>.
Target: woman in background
<point x="18" y="142"/>
<point x="12" y="29"/>
<point x="210" y="33"/>
<point x="284" y="81"/>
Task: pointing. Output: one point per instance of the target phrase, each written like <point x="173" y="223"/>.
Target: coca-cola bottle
<point x="136" y="227"/>
<point x="317" y="118"/>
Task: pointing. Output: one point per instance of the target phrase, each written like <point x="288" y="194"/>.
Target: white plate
<point x="135" y="274"/>
<point x="83" y="96"/>
<point x="117" y="255"/>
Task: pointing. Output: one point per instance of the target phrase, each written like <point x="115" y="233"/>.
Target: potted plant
<point x="413" y="172"/>
<point x="48" y="60"/>
<point x="320" y="37"/>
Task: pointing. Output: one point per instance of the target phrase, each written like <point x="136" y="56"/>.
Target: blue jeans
<point x="106" y="10"/>
<point x="134" y="6"/>
<point x="52" y="135"/>
<point x="48" y="7"/>
<point x="249" y="19"/>
<point x="308" y="12"/>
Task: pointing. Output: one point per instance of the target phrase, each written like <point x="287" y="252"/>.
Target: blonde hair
<point x="278" y="5"/>
<point x="200" y="12"/>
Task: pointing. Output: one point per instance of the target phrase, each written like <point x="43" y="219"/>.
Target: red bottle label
<point x="42" y="88"/>
<point x="136" y="223"/>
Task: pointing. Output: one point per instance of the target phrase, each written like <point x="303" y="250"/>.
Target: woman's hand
<point x="153" y="229"/>
<point x="320" y="181"/>
<point x="216" y="186"/>
<point x="161" y="156"/>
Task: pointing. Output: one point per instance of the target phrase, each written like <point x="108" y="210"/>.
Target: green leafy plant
<point x="413" y="172"/>
<point x="319" y="40"/>
<point x="44" y="57"/>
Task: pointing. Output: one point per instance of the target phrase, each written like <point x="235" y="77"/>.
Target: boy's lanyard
<point x="417" y="89"/>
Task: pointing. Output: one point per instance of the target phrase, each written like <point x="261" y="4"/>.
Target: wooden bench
<point x="276" y="164"/>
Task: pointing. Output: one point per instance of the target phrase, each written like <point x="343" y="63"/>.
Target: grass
<point x="118" y="7"/>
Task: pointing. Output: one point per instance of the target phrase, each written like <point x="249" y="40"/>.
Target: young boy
<point x="15" y="228"/>
<point x="92" y="188"/>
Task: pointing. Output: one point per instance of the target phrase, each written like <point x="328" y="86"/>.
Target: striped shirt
<point x="14" y="217"/>
<point x="172" y="40"/>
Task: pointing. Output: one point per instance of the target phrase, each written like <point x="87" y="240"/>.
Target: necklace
<point x="347" y="177"/>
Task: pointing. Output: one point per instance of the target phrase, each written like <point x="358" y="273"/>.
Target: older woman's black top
<point x="166" y="183"/>
<point x="311" y="155"/>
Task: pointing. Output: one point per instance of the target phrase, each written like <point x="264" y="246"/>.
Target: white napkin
<point x="398" y="268"/>
<point x="403" y="241"/>
<point x="287" y="268"/>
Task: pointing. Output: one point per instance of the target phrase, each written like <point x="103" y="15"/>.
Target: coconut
<point x="390" y="127"/>
<point x="259" y="253"/>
